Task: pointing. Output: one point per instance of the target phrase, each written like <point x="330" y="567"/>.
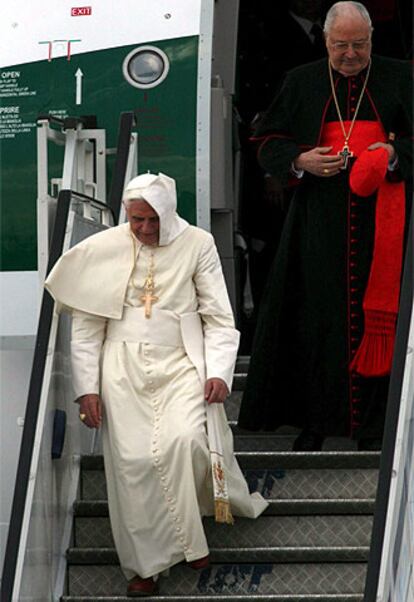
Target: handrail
<point x="84" y="198"/>
<point x="391" y="420"/>
<point x="126" y="121"/>
<point x="32" y="408"/>
<point x="67" y="123"/>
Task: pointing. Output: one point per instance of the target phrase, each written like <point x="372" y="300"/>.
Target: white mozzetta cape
<point x="97" y="276"/>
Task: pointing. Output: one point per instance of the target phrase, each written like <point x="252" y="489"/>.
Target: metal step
<point x="266" y="532"/>
<point x="261" y="442"/>
<point x="281" y="440"/>
<point x="250" y="597"/>
<point x="277" y="507"/>
<point x="270" y="554"/>
<point x="293" y="476"/>
<point x="255" y="442"/>
<point x="278" y="460"/>
<point x="287" y="581"/>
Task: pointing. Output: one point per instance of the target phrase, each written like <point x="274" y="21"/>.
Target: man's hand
<point x="389" y="148"/>
<point x="319" y="163"/>
<point x="215" y="390"/>
<point x="91" y="406"/>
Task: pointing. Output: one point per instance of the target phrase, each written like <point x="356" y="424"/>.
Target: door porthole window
<point x="146" y="67"/>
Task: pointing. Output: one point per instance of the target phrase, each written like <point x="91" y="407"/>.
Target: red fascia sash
<point x="381" y="299"/>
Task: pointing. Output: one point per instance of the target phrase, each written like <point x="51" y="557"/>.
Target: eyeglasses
<point x="343" y="46"/>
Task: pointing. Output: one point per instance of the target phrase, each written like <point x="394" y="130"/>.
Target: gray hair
<point x="127" y="202"/>
<point x="344" y="8"/>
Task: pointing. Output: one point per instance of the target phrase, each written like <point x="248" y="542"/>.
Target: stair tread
<point x="213" y="550"/>
<point x="282" y="459"/>
<point x="252" y="555"/>
<point x="306" y="581"/>
<point x="250" y="597"/>
<point x="280" y="484"/>
<point x="277" y="507"/>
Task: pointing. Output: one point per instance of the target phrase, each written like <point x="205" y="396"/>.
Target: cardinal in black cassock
<point x="323" y="347"/>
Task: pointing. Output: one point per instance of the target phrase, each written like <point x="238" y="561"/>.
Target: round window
<point x="146" y="67"/>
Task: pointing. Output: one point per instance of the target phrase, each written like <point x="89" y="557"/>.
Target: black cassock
<point x="311" y="320"/>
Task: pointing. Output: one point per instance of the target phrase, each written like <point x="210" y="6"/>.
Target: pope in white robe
<point x="153" y="353"/>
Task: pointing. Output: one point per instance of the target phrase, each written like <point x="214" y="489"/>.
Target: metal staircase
<point x="311" y="544"/>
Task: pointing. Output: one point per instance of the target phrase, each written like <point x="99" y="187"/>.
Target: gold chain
<point x="149" y="285"/>
<point x="341" y="121"/>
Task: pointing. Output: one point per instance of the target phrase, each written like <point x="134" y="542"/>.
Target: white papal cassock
<point x="156" y="454"/>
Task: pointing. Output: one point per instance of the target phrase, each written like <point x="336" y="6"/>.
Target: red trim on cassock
<point x="374" y="355"/>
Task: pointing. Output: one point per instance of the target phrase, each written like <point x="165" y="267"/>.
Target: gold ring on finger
<point x="82" y="417"/>
<point x="326" y="170"/>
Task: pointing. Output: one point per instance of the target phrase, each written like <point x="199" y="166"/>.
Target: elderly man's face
<point x="144" y="221"/>
<point x="349" y="44"/>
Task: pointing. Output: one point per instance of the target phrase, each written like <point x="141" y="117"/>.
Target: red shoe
<point x="141" y="587"/>
<point x="200" y="563"/>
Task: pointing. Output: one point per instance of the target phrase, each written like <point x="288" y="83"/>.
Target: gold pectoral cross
<point x="346" y="154"/>
<point x="148" y="298"/>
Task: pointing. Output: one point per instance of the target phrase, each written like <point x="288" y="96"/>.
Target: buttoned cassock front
<point x="156" y="453"/>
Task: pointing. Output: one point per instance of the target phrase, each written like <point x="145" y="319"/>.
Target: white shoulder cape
<point x="93" y="275"/>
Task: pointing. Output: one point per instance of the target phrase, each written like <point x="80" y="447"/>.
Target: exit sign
<point x="81" y="11"/>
